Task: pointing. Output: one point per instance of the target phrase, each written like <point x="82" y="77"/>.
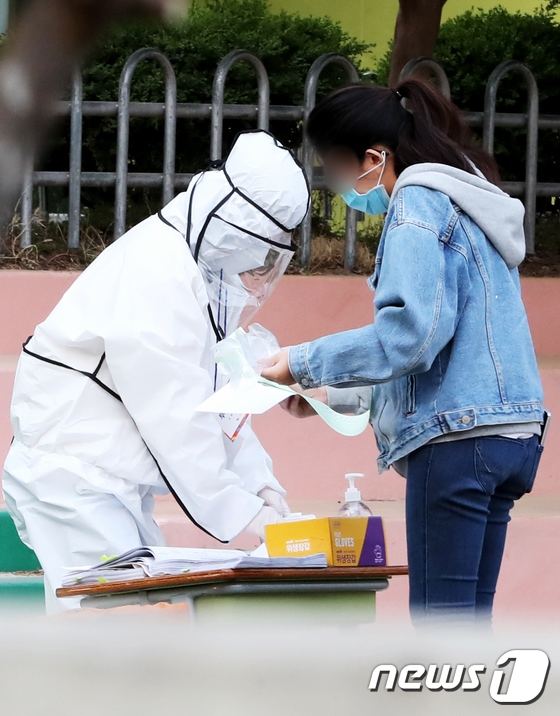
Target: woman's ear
<point x="372" y="158"/>
<point x="376" y="155"/>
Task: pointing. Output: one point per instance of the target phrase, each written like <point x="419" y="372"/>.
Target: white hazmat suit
<point x="103" y="409"/>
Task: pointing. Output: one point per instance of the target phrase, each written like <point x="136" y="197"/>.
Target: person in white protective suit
<point x="103" y="409"/>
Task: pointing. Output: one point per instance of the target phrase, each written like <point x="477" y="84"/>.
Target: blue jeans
<point x="459" y="496"/>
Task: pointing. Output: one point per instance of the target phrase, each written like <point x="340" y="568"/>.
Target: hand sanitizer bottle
<point x="354" y="507"/>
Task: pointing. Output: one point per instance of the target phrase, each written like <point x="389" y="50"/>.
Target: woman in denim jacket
<point x="448" y="367"/>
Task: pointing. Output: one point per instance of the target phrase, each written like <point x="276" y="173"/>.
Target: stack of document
<point x="163" y="561"/>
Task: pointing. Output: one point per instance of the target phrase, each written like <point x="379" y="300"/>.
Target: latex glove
<point x="274" y="499"/>
<point x="300" y="408"/>
<point x="266" y="516"/>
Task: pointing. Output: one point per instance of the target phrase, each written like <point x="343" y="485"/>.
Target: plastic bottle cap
<point x="352" y="494"/>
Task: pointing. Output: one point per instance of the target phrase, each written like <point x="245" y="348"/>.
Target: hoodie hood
<point x="497" y="215"/>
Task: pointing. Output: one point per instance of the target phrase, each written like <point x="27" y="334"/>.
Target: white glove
<point x="266" y="516"/>
<point x="274" y="499"/>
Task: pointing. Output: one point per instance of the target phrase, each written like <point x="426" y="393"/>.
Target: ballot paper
<point x="265" y="394"/>
<point x="143" y="562"/>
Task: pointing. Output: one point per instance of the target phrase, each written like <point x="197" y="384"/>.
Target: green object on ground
<point x="20" y="593"/>
<point x="14" y="555"/>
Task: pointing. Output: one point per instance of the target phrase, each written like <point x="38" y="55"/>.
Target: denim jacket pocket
<point x="410" y="408"/>
<point x="377" y="417"/>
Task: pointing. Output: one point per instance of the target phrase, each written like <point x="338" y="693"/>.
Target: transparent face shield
<point x="241" y="270"/>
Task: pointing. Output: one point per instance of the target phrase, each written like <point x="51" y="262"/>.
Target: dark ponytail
<point x="430" y="129"/>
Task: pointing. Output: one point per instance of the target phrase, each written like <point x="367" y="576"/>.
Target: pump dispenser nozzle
<point x="352" y="494"/>
<point x="354" y="506"/>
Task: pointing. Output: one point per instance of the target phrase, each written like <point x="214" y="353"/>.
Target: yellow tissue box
<point x="346" y="541"/>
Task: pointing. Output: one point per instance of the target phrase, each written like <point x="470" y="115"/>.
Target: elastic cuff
<point x="273" y="484"/>
<point x="350" y="401"/>
<point x="336" y="401"/>
<point x="299" y="368"/>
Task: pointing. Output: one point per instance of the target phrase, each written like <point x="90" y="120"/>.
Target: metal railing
<point x="217" y="118"/>
<point x="489" y="119"/>
<point x="427" y="63"/>
<point x="216" y="111"/>
<point x="308" y="154"/>
<point x="531" y="158"/>
<point x="123" y="132"/>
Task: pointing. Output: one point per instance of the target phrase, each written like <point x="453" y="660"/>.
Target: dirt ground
<point x="546" y="263"/>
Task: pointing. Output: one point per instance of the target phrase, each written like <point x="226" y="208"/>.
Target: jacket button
<point x="466" y="419"/>
<point x="304" y="381"/>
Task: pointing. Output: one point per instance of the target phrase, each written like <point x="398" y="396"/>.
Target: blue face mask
<point x="373" y="202"/>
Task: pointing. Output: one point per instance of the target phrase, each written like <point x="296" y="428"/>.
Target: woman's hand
<point x="277" y="368"/>
<point x="298" y="407"/>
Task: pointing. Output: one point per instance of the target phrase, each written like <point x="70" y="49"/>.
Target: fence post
<point x="531" y="155"/>
<point x="430" y="64"/>
<point x="310" y="94"/>
<point x="75" y="178"/>
<point x="27" y="205"/>
<point x="217" y="120"/>
<point x="123" y="131"/>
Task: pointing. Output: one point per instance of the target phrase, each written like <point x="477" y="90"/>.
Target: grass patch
<point x="327" y="257"/>
<point x="49" y="250"/>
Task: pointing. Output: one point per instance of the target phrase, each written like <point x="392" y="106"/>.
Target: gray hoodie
<point x="499" y="216"/>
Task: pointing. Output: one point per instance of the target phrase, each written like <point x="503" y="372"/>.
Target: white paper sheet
<point x="265" y="395"/>
<point x="254" y="400"/>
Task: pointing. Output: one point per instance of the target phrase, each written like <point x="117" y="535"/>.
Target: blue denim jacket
<point x="450" y="348"/>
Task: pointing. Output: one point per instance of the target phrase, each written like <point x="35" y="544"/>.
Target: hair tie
<point x="397" y="94"/>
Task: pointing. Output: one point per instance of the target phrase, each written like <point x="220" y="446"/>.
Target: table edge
<point x="235" y="575"/>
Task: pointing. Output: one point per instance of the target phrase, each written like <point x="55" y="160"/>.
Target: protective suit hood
<point x="237" y="220"/>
